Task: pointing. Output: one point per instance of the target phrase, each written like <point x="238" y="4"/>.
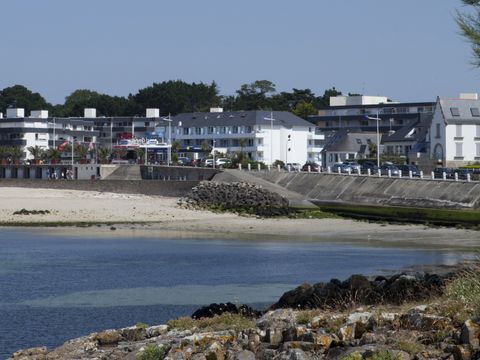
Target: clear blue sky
<point x="408" y="50"/>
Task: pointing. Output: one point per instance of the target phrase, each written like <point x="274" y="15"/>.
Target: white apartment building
<point x="263" y="135"/>
<point x="455" y="131"/>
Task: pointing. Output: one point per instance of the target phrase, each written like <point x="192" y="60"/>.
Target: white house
<point x="263" y="135"/>
<point x="455" y="131"/>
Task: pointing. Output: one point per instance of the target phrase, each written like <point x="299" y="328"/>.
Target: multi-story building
<point x="262" y="135"/>
<point x="395" y="122"/>
<point x="455" y="131"/>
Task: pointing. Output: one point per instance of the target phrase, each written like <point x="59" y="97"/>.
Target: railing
<point x="444" y="176"/>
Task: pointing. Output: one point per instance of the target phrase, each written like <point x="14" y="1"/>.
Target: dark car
<point x="313" y="166"/>
<point x="405" y="169"/>
<point x="342" y="168"/>
<point x="438" y="173"/>
<point x="353" y="165"/>
<point x="386" y="168"/>
<point x="369" y="165"/>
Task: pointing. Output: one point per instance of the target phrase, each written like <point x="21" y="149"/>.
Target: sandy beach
<point x="147" y="216"/>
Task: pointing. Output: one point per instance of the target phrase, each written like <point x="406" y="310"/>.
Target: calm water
<point x="53" y="288"/>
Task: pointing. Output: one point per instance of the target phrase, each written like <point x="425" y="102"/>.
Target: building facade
<point x="262" y="135"/>
<point x="455" y="131"/>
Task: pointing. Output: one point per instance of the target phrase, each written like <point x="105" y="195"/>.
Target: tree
<point x="20" y="96"/>
<point x="103" y="154"/>
<point x="255" y="96"/>
<point x="325" y="99"/>
<point x="177" y="96"/>
<point x="82" y="152"/>
<point x="305" y="109"/>
<point x="470" y="28"/>
<point x="205" y="146"/>
<point x="53" y="155"/>
<point x="175" y="146"/>
<point x="37" y="153"/>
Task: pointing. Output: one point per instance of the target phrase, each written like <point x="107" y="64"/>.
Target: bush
<point x="225" y="321"/>
<point x="153" y="352"/>
<point x="465" y="289"/>
<point x="384" y="355"/>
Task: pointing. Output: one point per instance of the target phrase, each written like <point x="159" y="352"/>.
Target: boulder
<point x="470" y="334"/>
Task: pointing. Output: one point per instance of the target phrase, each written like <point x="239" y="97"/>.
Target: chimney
<point x="153" y="113"/>
<point x="90" y="113"/>
<point x="39" y="114"/>
<point x="15" y="113"/>
<point x="469" y="96"/>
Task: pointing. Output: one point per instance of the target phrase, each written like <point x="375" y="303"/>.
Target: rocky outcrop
<point x="236" y="197"/>
<point x="219" y="309"/>
<point x="420" y="332"/>
<point x="358" y="289"/>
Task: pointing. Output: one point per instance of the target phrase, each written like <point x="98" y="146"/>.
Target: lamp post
<point x="169" y="149"/>
<point x="378" y="138"/>
<point x="213" y="153"/>
<point x="271" y="119"/>
<point x="287" y="149"/>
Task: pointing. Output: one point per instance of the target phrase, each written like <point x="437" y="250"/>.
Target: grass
<point x="217" y="323"/>
<point x="443" y="217"/>
<point x="463" y="292"/>
<point x="153" y="352"/>
<point x="384" y="355"/>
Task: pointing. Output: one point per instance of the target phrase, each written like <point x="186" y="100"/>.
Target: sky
<point x="408" y="50"/>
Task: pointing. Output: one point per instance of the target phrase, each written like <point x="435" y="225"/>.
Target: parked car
<point x="353" y="165"/>
<point x="438" y="173"/>
<point x="208" y="163"/>
<point x="394" y="171"/>
<point x="341" y="167"/>
<point x="292" y="166"/>
<point x="183" y="161"/>
<point x="313" y="166"/>
<point x="369" y="165"/>
<point x="222" y="162"/>
<point x="405" y="169"/>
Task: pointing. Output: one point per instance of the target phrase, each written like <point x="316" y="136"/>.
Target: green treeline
<point x="173" y="96"/>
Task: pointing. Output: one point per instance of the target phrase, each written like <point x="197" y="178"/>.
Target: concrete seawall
<point x="146" y="187"/>
<point x="378" y="191"/>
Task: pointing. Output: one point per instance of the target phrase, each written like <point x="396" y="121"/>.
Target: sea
<point x="58" y="287"/>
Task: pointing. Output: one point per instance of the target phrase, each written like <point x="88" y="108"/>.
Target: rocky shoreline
<point x="400" y="317"/>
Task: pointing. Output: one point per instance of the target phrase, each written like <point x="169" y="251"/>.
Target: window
<point x="477" y="131"/>
<point x="475" y="112"/>
<point x="185" y="131"/>
<point x="454" y="111"/>
<point x="458" y="131"/>
<point x="478" y="150"/>
<point x="36" y="136"/>
<point x="235" y="129"/>
<point x="211" y="130"/>
<point x="437" y="133"/>
<point x="459" y="150"/>
<point x="359" y="141"/>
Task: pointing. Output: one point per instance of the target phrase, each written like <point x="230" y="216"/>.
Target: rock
<point x="133" y="333"/>
<point x="347" y="332"/>
<point x="274" y="336"/>
<point x="359" y="317"/>
<point x="108" y="337"/>
<point x="297" y="354"/>
<point x="324" y="341"/>
<point x="219" y="309"/>
<point x="280" y="318"/>
<point x="470" y="334"/>
<point x="215" y="352"/>
<point x="38" y="353"/>
<point x="244" y="355"/>
<point x="154" y="331"/>
<point x="461" y="352"/>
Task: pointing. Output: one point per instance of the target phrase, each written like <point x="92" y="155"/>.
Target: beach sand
<point x="161" y="217"/>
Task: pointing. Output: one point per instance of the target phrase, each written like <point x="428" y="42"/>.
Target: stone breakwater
<point x="236" y="197"/>
<point x="399" y="330"/>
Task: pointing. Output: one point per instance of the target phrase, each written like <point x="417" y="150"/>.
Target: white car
<point x="293" y="166"/>
<point x="221" y="162"/>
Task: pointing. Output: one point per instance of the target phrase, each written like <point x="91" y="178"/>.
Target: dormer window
<point x="455" y="111"/>
<point x="475" y="112"/>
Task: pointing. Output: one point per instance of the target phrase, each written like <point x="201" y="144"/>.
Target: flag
<point x="61" y="147"/>
<point x="90" y="146"/>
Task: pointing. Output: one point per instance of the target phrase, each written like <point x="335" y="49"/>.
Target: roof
<point x="460" y="111"/>
<point x="415" y="132"/>
<point x="344" y="141"/>
<point x="374" y="106"/>
<point x="239" y="118"/>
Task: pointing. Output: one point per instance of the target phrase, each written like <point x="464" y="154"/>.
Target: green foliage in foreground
<point x="217" y="323"/>
<point x="153" y="352"/>
<point x="444" y="217"/>
<point x="465" y="290"/>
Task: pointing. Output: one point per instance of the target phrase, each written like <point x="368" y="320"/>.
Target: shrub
<point x="153" y="352"/>
<point x="225" y="321"/>
<point x="384" y="355"/>
<point x="352" y="356"/>
<point x="465" y="289"/>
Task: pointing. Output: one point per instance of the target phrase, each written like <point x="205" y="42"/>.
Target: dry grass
<point x="463" y="291"/>
<point x="217" y="323"/>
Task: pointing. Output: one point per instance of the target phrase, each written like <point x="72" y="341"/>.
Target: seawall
<point x="146" y="187"/>
<point x="375" y="191"/>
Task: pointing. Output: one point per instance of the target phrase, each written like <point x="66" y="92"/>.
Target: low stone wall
<point x="177" y="173"/>
<point x="145" y="187"/>
<point x="378" y="191"/>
